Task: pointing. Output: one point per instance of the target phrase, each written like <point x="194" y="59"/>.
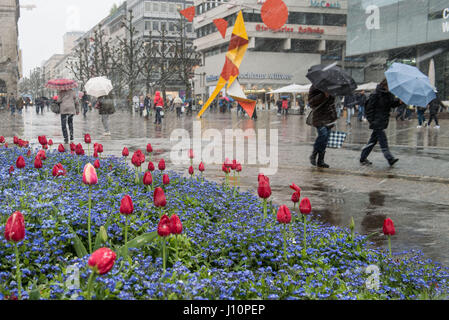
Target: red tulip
<point x="161" y="165"/>
<point x="225" y="169"/>
<point x="87" y="138"/>
<point x="234" y="164"/>
<point x="102" y="260"/>
<point x="97" y="164"/>
<point x="147" y="178"/>
<point x="125" y="152"/>
<point x="175" y="225"/>
<point x="165" y="179"/>
<point x="191" y="155"/>
<point x="72" y="147"/>
<point x="201" y="168"/>
<point x="138" y="158"/>
<point x="58" y="170"/>
<point x="100" y="149"/>
<point x="295" y="197"/>
<point x="191" y="171"/>
<point x="2" y="139"/>
<point x="45" y="146"/>
<point x="20" y="163"/>
<point x="42" y="140"/>
<point x="126" y="205"/>
<point x="50" y="142"/>
<point x="238" y="168"/>
<point x="151" y="166"/>
<point x="163" y="228"/>
<point x="89" y="175"/>
<point x="228" y="163"/>
<point x="284" y="216"/>
<point x="388" y="228"/>
<point x="264" y="189"/>
<point x="305" y="207"/>
<point x="6" y="145"/>
<point x="79" y="149"/>
<point x="29" y="153"/>
<point x="15" y="227"/>
<point x="15" y="140"/>
<point x="95" y="155"/>
<point x="61" y="148"/>
<point x="149" y="148"/>
<point x="38" y="163"/>
<point x="41" y="154"/>
<point x="11" y="169"/>
<point x="296" y="188"/>
<point x="159" y="198"/>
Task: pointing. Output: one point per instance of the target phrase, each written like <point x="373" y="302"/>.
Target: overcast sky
<point x="41" y="29"/>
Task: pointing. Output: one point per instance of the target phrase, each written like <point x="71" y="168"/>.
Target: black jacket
<point x="350" y="101"/>
<point x="434" y="106"/>
<point x="361" y="100"/>
<point x="324" y="112"/>
<point x="105" y="105"/>
<point x="383" y="103"/>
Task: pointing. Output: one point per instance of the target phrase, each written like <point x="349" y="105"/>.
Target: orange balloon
<point x="274" y="14"/>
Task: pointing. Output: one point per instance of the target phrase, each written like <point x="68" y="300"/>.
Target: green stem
<point x="163" y="254"/>
<point x="160" y="213"/>
<point x="18" y="274"/>
<point x="90" y="284"/>
<point x="285" y="243"/>
<point x="88" y="149"/>
<point x="265" y="208"/>
<point x="305" y="223"/>
<point x="126" y="238"/>
<point x="389" y="245"/>
<point x="176" y="241"/>
<point x="88" y="220"/>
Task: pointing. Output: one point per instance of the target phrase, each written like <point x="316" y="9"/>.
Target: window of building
<point x="171" y="26"/>
<point x="305" y="46"/>
<point x="156" y="25"/>
<point x="189" y="27"/>
<point x="155" y="7"/>
<point x="163" y="25"/>
<point x="334" y="19"/>
<point x="148" y="7"/>
<point x="171" y="8"/>
<point x="269" y="45"/>
<point x="147" y="25"/>
<point x="315" y="19"/>
<point x="163" y="7"/>
<point x="296" y="18"/>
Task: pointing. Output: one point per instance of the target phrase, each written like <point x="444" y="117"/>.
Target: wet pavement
<point x="414" y="193"/>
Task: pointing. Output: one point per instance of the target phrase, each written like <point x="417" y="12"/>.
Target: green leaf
<point x="80" y="249"/>
<point x="139" y="242"/>
<point x="35" y="293"/>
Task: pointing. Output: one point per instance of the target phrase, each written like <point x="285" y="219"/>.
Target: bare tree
<point x="164" y="49"/>
<point x="149" y="62"/>
<point x="80" y="64"/>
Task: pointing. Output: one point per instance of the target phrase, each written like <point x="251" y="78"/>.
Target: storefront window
<point x="334" y="19"/>
<point x="315" y="19"/>
<point x="297" y="18"/>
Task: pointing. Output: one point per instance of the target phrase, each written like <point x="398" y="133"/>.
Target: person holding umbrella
<point x="105" y="106"/>
<point x="69" y="106"/>
<point x="101" y="88"/>
<point x="379" y="106"/>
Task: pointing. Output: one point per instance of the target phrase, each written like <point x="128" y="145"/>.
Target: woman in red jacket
<point x="159" y="105"/>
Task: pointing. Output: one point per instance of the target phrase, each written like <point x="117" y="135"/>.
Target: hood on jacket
<point x="381" y="89"/>
<point x="158" y="94"/>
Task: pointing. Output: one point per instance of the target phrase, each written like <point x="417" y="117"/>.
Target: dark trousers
<point x="421" y="116"/>
<point x="178" y="112"/>
<point x="85" y="108"/>
<point x="433" y="117"/>
<point x="322" y="139"/>
<point x="67" y="118"/>
<point x="377" y="136"/>
<point x="158" y="116"/>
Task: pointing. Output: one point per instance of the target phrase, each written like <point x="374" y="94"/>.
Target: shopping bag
<point x="336" y="139"/>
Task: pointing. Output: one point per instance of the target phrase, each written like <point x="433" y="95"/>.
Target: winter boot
<point x="313" y="158"/>
<point x="321" y="163"/>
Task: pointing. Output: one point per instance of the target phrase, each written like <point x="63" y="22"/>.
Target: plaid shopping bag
<point x="336" y="139"/>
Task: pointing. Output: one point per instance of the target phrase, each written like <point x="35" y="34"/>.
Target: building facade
<point x="412" y="31"/>
<point x="10" y="56"/>
<point x="314" y="33"/>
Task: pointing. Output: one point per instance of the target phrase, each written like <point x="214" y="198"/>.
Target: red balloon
<point x="274" y="14"/>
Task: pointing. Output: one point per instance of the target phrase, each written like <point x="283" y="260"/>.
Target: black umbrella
<point x="331" y="79"/>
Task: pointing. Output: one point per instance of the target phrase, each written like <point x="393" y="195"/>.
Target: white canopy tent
<point x="370" y="86"/>
<point x="293" y="88"/>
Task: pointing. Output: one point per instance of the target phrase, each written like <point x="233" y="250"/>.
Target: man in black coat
<point x="379" y="106"/>
<point x="434" y="107"/>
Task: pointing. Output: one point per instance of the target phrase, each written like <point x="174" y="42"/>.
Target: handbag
<point x="55" y="107"/>
<point x="161" y="113"/>
<point x="336" y="139"/>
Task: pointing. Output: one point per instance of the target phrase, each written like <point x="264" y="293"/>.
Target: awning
<point x="293" y="88"/>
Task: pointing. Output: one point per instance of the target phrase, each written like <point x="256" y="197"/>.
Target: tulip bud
<point x="41" y="154"/>
<point x="147" y="178"/>
<point x="163" y="228"/>
<point x="15" y="227"/>
<point x="103" y="234"/>
<point x="20" y="163"/>
<point x="228" y="163"/>
<point x="191" y="155"/>
<point x="50" y="142"/>
<point x="125" y="152"/>
<point x="175" y="225"/>
<point x="191" y="171"/>
<point x="16" y="140"/>
<point x="87" y="138"/>
<point x="264" y="189"/>
<point x="165" y="179"/>
<point x="58" y="170"/>
<point x="161" y="165"/>
<point x="151" y="166"/>
<point x="2" y="139"/>
<point x="149" y="148"/>
<point x="102" y="260"/>
<point x="295" y="197"/>
<point x="284" y="216"/>
<point x="61" y="148"/>
<point x="79" y="149"/>
<point x="296" y="188"/>
<point x="90" y="175"/>
<point x="201" y="168"/>
<point x="100" y="148"/>
<point x="388" y="228"/>
<point x="159" y="198"/>
<point x="11" y="169"/>
<point x="126" y="206"/>
<point x="97" y="164"/>
<point x="305" y="207"/>
<point x="72" y="147"/>
<point x="238" y="168"/>
<point x="38" y="163"/>
<point x="29" y="153"/>
<point x="234" y="164"/>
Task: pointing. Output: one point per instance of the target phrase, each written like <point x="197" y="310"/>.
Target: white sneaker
<point x="107" y="133"/>
<point x="437" y="127"/>
<point x="419" y="127"/>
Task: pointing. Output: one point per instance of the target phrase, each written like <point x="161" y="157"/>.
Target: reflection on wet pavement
<point x="413" y="194"/>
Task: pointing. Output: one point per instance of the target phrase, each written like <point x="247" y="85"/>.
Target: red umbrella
<point x="61" y="84"/>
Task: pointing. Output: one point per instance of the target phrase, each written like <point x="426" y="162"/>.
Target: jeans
<point x="85" y="109"/>
<point x="67" y="118"/>
<point x="178" y="112"/>
<point x="158" y="115"/>
<point x="13" y="109"/>
<point x="350" y="112"/>
<point x="377" y="136"/>
<point x="361" y="113"/>
<point x="421" y="117"/>
<point x="148" y="110"/>
<point x="105" y="120"/>
<point x="433" y="117"/>
<point x="322" y="139"/>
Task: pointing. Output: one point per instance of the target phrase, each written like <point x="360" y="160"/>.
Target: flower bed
<point x="227" y="250"/>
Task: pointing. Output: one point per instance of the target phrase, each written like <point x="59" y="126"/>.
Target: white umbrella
<point x="97" y="87"/>
<point x="370" y="86"/>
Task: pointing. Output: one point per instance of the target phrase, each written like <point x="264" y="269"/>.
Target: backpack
<point x="370" y="107"/>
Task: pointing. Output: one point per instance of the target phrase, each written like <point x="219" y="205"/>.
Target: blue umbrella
<point x="410" y="85"/>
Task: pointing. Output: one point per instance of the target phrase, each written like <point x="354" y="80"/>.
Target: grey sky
<point x="41" y="29"/>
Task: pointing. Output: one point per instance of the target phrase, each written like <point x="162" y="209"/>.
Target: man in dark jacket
<point x="324" y="117"/>
<point x="361" y="101"/>
<point x="350" y="103"/>
<point x="434" y="107"/>
<point x="378" y="115"/>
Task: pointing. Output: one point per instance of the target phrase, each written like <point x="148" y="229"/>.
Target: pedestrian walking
<point x="279" y="105"/>
<point x="177" y="102"/>
<point x="285" y="105"/>
<point x="361" y="102"/>
<point x="42" y="105"/>
<point x="85" y="103"/>
<point x="421" y="117"/>
<point x="69" y="106"/>
<point x="323" y="118"/>
<point x="338" y="105"/>
<point x="136" y="103"/>
<point x="19" y="105"/>
<point x="401" y="111"/>
<point x="3" y="102"/>
<point x="37" y="104"/>
<point x="350" y="103"/>
<point x="141" y="104"/>
<point x="378" y="109"/>
<point x="12" y="103"/>
<point x="159" y="106"/>
<point x="147" y="103"/>
<point x="105" y="106"/>
<point x="434" y="108"/>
